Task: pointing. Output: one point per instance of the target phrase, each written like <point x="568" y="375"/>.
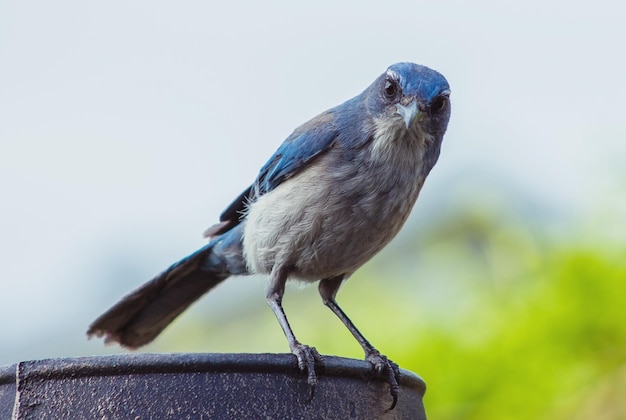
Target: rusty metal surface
<point x="200" y="386"/>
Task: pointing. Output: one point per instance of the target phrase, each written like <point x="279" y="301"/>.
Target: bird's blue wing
<point x="304" y="144"/>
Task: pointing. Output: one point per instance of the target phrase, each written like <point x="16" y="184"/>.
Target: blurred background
<point x="127" y="127"/>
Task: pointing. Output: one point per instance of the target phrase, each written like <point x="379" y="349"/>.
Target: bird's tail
<point x="142" y="314"/>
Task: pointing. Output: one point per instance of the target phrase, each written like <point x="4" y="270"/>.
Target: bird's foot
<point x="308" y="357"/>
<point x="385" y="367"/>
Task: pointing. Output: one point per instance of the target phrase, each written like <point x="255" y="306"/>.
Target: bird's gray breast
<point x="335" y="214"/>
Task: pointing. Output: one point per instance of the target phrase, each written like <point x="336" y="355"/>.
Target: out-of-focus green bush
<point x="553" y="345"/>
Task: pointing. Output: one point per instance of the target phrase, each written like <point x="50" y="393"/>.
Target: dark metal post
<point x="200" y="386"/>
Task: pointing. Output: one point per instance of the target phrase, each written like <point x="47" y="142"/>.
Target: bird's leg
<point x="382" y="365"/>
<point x="307" y="355"/>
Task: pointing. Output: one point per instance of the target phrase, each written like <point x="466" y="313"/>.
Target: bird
<point x="335" y="192"/>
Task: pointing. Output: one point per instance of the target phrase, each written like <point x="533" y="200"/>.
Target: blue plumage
<point x="297" y="151"/>
<point x="336" y="191"/>
<point x="344" y="124"/>
<point x="348" y="127"/>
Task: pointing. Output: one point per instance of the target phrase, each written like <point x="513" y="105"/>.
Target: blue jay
<point x="334" y="194"/>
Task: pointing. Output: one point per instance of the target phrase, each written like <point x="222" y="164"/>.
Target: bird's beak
<point x="408" y="112"/>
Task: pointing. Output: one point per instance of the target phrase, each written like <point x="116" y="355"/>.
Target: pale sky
<point x="127" y="127"/>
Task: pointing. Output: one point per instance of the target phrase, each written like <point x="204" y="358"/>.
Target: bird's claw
<point x="383" y="366"/>
<point x="308" y="357"/>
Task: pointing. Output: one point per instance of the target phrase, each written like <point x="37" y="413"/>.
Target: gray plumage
<point x="332" y="196"/>
<point x="326" y="221"/>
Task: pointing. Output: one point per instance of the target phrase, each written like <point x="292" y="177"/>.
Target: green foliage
<point x="541" y="350"/>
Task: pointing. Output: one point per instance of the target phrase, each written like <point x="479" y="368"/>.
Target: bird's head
<point x="412" y="97"/>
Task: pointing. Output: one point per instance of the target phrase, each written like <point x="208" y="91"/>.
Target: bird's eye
<point x="391" y="89"/>
<point x="439" y="104"/>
